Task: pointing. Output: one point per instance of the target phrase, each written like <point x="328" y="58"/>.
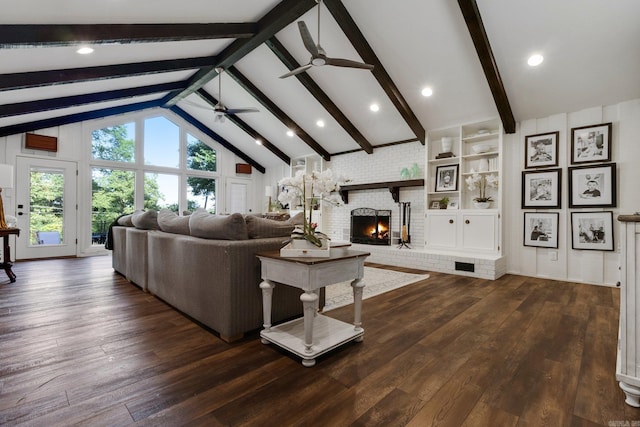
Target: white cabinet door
<point x="479" y="231"/>
<point x="442" y="230"/>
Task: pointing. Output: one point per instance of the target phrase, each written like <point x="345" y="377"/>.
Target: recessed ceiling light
<point x="258" y="142"/>
<point x="374" y="107"/>
<point x="290" y="133"/>
<point x="535" y="60"/>
<point x="85" y="50"/>
<point x="320" y="123"/>
<point x="427" y="91"/>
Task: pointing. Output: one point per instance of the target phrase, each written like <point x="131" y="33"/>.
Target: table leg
<point x="358" y="286"/>
<point x="267" y="294"/>
<point x="309" y="300"/>
<point x="6" y="265"/>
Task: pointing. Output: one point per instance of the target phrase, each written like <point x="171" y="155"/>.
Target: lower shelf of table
<point x="328" y="333"/>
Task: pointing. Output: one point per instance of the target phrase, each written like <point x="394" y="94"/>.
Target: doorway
<point x="46" y="208"/>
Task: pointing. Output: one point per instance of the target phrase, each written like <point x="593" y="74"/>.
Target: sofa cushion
<point x="172" y="223"/>
<point x="147" y="220"/>
<point x="297" y="219"/>
<point x="223" y="227"/>
<point x="259" y="228"/>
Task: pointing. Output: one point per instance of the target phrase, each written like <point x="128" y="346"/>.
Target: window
<point x="165" y="168"/>
<point x="114" y="143"/>
<point x="161" y="191"/>
<point x="112" y="195"/>
<point x="161" y="143"/>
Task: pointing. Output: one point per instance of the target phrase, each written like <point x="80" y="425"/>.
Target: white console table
<point x="313" y="334"/>
<point x="628" y="363"/>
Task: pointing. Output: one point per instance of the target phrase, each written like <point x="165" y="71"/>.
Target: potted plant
<point x="444" y="202"/>
<point x="481" y="182"/>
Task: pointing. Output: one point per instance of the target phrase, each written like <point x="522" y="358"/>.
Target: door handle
<point x="450" y="221"/>
<point x="466" y="221"/>
<point x="20" y="213"/>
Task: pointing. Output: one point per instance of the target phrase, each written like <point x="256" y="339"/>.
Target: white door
<point x="238" y="196"/>
<point x="46" y="208"/>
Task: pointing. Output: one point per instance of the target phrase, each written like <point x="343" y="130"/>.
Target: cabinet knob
<point x="466" y="221"/>
<point x="450" y="221"/>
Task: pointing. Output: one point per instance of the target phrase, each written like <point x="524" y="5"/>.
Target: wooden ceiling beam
<point x="472" y="18"/>
<point x="76" y="75"/>
<point x="277" y="112"/>
<point x="313" y="88"/>
<point x="30" y="107"/>
<point x="351" y="30"/>
<point x="75" y="118"/>
<point x="283" y="14"/>
<point x="72" y="34"/>
<point x="207" y="97"/>
<point x="213" y="135"/>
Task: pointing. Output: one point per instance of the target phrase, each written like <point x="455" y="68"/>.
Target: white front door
<point x="46" y="208"/>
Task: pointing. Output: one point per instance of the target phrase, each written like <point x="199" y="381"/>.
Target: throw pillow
<point x="125" y="220"/>
<point x="259" y="228"/>
<point x="222" y="227"/>
<point x="297" y="219"/>
<point x="170" y="222"/>
<point x="147" y="220"/>
<point x="277" y="216"/>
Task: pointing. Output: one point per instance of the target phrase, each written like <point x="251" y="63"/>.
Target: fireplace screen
<point x="371" y="226"/>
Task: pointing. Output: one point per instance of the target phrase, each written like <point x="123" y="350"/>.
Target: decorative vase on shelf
<point x="483" y="165"/>
<point x="482" y="205"/>
<point x="447" y="144"/>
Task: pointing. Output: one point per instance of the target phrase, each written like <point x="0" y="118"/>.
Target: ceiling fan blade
<point x="338" y="62"/>
<point x="241" y="110"/>
<point x="307" y="39"/>
<point x="296" y="71"/>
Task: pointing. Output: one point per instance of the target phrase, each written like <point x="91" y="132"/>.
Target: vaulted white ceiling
<point x="590" y="47"/>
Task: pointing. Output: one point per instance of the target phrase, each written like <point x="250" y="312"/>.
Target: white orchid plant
<point x="481" y="182"/>
<point x="306" y="190"/>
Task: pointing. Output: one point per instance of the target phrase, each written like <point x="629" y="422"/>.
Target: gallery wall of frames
<point x="576" y="172"/>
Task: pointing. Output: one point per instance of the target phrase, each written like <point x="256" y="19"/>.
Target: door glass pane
<point x="161" y="191"/>
<point x="112" y="196"/>
<point x="161" y="143"/>
<point x="46" y="216"/>
<point x="200" y="156"/>
<point x="238" y="198"/>
<point x="115" y="143"/>
<point x="201" y="193"/>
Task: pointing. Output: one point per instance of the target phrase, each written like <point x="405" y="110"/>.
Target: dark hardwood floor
<point x="79" y="345"/>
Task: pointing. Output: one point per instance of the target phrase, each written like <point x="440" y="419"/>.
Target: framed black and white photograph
<point x="592" y="186"/>
<point x="592" y="230"/>
<point x="591" y="143"/>
<point x="447" y="178"/>
<point x="541" y="189"/>
<point x="452" y="205"/>
<point x="541" y="229"/>
<point x="541" y="150"/>
<point x="435" y="205"/>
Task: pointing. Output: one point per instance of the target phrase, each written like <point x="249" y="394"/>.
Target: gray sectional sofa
<point x="214" y="276"/>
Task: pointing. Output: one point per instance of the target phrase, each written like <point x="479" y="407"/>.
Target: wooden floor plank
<point x="79" y="345"/>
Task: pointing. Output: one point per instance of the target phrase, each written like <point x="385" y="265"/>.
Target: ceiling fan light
<point x="427" y="91"/>
<point x="535" y="60"/>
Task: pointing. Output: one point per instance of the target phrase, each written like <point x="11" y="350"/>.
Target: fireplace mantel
<point x="393" y="186"/>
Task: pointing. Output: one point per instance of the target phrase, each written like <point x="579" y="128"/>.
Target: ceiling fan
<point x="220" y="109"/>
<point x="318" y="55"/>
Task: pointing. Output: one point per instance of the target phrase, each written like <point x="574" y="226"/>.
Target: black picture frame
<point x="541" y="229"/>
<point x="591" y="144"/>
<point x="592" y="231"/>
<point x="541" y="189"/>
<point x="446" y="178"/>
<point x="541" y="150"/>
<point x="593" y="186"/>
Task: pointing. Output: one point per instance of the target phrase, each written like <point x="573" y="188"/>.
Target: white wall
<point x="572" y="265"/>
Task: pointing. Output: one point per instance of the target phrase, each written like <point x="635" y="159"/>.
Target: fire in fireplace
<point x="371" y="226"/>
